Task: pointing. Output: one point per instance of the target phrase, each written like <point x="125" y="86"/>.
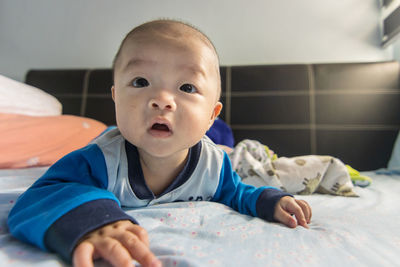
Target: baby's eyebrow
<point x="140" y="62"/>
<point x="137" y="62"/>
<point x="195" y="69"/>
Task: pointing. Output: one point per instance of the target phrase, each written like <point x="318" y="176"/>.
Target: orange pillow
<point x="28" y="141"/>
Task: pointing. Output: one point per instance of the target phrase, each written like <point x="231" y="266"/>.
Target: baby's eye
<point x="140" y="82"/>
<point x="188" y="88"/>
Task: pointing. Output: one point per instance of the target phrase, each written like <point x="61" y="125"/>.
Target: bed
<point x="346" y="110"/>
<point x="344" y="231"/>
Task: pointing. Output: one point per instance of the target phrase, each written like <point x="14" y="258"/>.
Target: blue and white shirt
<point x="88" y="188"/>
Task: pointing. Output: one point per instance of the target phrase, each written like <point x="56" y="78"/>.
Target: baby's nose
<point x="163" y="101"/>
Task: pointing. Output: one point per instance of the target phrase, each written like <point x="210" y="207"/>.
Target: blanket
<point x="351" y="232"/>
<point x="303" y="175"/>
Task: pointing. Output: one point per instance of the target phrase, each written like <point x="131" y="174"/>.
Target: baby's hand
<point x="288" y="206"/>
<point x="118" y="243"/>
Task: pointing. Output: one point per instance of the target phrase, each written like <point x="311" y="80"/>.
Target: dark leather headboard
<point x="347" y="110"/>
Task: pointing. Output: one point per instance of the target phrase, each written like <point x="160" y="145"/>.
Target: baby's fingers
<point x="287" y="207"/>
<point x="139" y="232"/>
<point x="306" y="209"/>
<point x="139" y="250"/>
<point x="294" y="208"/>
<point x="284" y="217"/>
<point x="114" y="252"/>
<point x="83" y="255"/>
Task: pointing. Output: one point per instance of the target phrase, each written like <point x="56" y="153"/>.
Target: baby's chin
<point x="164" y="153"/>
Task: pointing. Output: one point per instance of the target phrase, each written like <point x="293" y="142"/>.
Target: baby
<point x="166" y="92"/>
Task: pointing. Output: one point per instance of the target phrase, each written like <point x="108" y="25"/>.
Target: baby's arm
<point x="66" y="203"/>
<point x="118" y="243"/>
<point x="265" y="202"/>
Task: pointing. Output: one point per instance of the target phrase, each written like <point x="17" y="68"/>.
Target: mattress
<point x="362" y="231"/>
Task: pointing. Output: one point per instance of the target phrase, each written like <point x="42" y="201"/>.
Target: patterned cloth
<point x="349" y="232"/>
<point x="303" y="175"/>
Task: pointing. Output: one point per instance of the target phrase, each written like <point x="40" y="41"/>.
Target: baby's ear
<point x="216" y="112"/>
<point x="113" y="92"/>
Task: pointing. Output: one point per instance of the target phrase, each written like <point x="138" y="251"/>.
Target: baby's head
<point x="166" y="86"/>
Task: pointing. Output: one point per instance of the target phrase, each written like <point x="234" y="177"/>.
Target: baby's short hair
<point x="163" y="24"/>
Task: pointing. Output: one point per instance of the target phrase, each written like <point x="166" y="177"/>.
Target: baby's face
<point x="166" y="93"/>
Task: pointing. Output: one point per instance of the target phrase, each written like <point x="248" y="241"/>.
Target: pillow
<point x="394" y="162"/>
<point x="28" y="141"/>
<point x="20" y="98"/>
<point x="221" y="134"/>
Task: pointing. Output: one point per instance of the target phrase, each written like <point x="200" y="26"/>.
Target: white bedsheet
<point x="344" y="231"/>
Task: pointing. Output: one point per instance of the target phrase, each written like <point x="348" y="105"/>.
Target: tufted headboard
<point x="347" y="110"/>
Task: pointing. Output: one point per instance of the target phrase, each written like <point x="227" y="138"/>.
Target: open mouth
<point x="160" y="127"/>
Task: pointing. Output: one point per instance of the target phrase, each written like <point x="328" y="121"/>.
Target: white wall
<point x="87" y="33"/>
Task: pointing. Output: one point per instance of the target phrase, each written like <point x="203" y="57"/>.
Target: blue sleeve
<point x="246" y="199"/>
<point x="64" y="194"/>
